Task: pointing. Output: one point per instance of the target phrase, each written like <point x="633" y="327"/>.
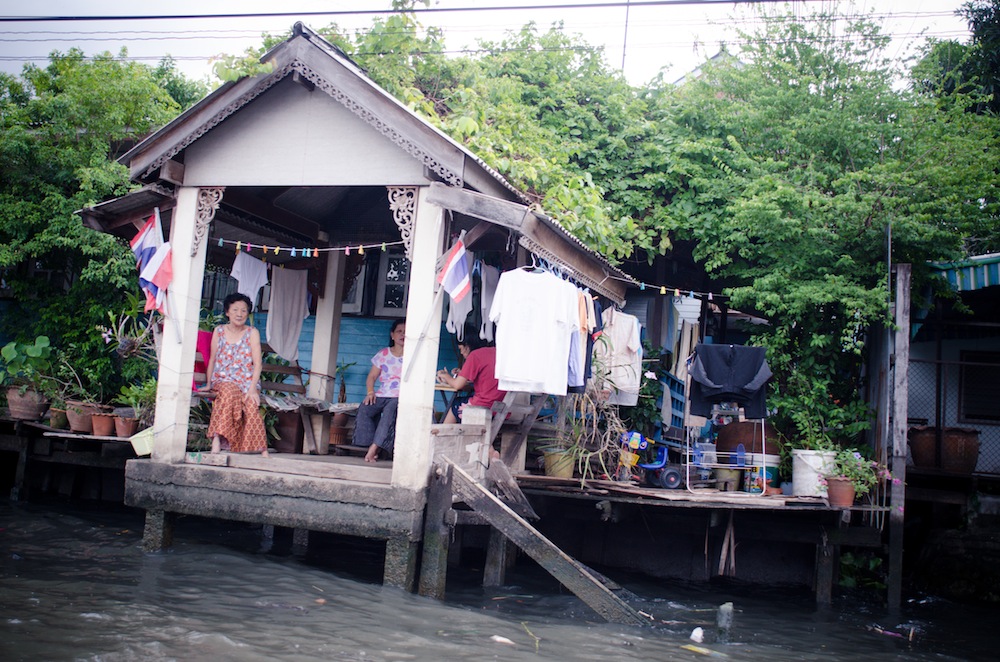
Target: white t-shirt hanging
<point x="620" y="355"/>
<point x="535" y="314"/>
<point x="250" y="274"/>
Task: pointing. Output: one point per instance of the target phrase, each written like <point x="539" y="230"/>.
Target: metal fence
<point x="939" y="397"/>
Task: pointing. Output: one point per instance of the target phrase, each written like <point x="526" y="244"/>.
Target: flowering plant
<point x="863" y="473"/>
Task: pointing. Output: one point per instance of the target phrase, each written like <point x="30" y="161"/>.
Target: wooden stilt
<point x="437" y="535"/>
<point x="158" y="533"/>
<point x="824" y="570"/>
<point x="497" y="552"/>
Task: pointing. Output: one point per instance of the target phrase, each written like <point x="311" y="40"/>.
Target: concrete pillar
<point x="412" y="455"/>
<point x="188" y="231"/>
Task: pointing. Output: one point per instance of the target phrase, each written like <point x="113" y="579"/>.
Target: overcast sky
<point x="642" y="40"/>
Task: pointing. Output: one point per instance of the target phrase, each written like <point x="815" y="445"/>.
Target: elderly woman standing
<point x="375" y="426"/>
<point x="234" y="374"/>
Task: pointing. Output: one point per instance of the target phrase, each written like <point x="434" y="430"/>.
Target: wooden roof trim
<point x="539" y="234"/>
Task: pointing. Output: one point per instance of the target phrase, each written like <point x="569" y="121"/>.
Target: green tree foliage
<point x="60" y="128"/>
<point x="789" y="166"/>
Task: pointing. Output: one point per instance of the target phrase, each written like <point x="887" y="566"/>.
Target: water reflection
<point x="75" y="585"/>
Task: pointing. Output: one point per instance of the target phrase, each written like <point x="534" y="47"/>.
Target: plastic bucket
<point x="761" y="470"/>
<point x="807" y="469"/>
<point x="142" y="442"/>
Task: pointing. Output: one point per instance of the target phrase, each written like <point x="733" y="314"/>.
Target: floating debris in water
<point x="697" y="635"/>
<point x="320" y="601"/>
<point x="497" y="639"/>
<point x="703" y="651"/>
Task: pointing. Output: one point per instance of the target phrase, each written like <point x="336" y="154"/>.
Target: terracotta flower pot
<point x="27" y="406"/>
<point x="79" y="415"/>
<point x="126" y="427"/>
<point x="840" y="492"/>
<point x="103" y="424"/>
<point x="57" y="418"/>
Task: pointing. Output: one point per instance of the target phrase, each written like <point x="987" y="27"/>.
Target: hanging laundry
<point x="458" y="311"/>
<point x="729" y="373"/>
<point x="536" y="314"/>
<point x="250" y="274"/>
<point x="619" y="354"/>
<point x="288" y="308"/>
<point x="489" y="277"/>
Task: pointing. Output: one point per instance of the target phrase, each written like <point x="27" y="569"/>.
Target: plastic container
<point x="142" y="442"/>
<point x="761" y="470"/>
<point x="807" y="469"/>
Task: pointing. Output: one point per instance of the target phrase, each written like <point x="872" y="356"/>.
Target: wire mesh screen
<point x="949" y="395"/>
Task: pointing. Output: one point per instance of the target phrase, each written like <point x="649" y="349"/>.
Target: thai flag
<point x="454" y="275"/>
<point x="155" y="278"/>
<point x="150" y="238"/>
<point x="152" y="260"/>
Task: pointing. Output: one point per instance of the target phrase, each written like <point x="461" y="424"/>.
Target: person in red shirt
<point x="479" y="370"/>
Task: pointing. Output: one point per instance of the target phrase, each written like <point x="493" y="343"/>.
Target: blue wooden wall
<point x="360" y="339"/>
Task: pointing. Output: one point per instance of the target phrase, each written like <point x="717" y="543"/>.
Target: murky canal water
<point x="75" y="585"/>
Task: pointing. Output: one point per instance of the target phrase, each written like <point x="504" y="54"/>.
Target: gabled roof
<point x="312" y="61"/>
<point x="315" y="62"/>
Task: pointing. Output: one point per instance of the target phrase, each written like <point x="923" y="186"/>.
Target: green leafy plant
<point x="809" y="417"/>
<point x="863" y="473"/>
<point x="141" y="398"/>
<point x="25" y="365"/>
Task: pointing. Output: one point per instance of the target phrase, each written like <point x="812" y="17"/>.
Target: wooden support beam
<point x="499" y="479"/>
<point x="437" y="534"/>
<point x="567" y="570"/>
<point x="498" y="555"/>
<point x="484" y="207"/>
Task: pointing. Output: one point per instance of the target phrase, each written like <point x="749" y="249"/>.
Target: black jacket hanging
<point x="729" y="373"/>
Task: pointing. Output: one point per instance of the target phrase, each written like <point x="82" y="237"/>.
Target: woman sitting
<point x="479" y="370"/>
<point x="375" y="426"/>
<point x="234" y="374"/>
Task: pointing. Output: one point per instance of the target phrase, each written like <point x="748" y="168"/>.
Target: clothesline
<point x="677" y="292"/>
<point x="308" y="251"/>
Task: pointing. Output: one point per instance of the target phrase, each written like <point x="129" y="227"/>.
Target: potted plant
<point x="81" y="403"/>
<point x="138" y="401"/>
<point x="589" y="434"/>
<point x="338" y="425"/>
<point x="852" y="475"/>
<point x="23" y="371"/>
<point x="809" y="420"/>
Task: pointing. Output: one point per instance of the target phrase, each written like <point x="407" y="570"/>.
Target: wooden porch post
<point x="327" y="339"/>
<point x="188" y="231"/>
<point x="327" y="342"/>
<point x="900" y="401"/>
<point x="412" y="456"/>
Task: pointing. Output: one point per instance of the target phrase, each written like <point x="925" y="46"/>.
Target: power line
<point x="361" y="12"/>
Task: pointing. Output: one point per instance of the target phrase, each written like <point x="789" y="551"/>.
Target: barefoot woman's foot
<point x="372" y="454"/>
<point x="215" y="444"/>
<point x="265" y="453"/>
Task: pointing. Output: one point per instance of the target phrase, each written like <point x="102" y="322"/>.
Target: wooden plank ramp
<point x="570" y="573"/>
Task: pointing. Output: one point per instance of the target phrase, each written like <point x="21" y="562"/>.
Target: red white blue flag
<point x="155" y="278"/>
<point x="454" y="275"/>
<point x="153" y="261"/>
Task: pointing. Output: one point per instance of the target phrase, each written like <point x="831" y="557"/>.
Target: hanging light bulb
<point x="663" y="289"/>
<point x="239" y="245"/>
<point x="361" y="250"/>
<point x="220" y="242"/>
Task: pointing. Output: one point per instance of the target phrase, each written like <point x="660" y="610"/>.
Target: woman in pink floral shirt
<point x="234" y="374"/>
